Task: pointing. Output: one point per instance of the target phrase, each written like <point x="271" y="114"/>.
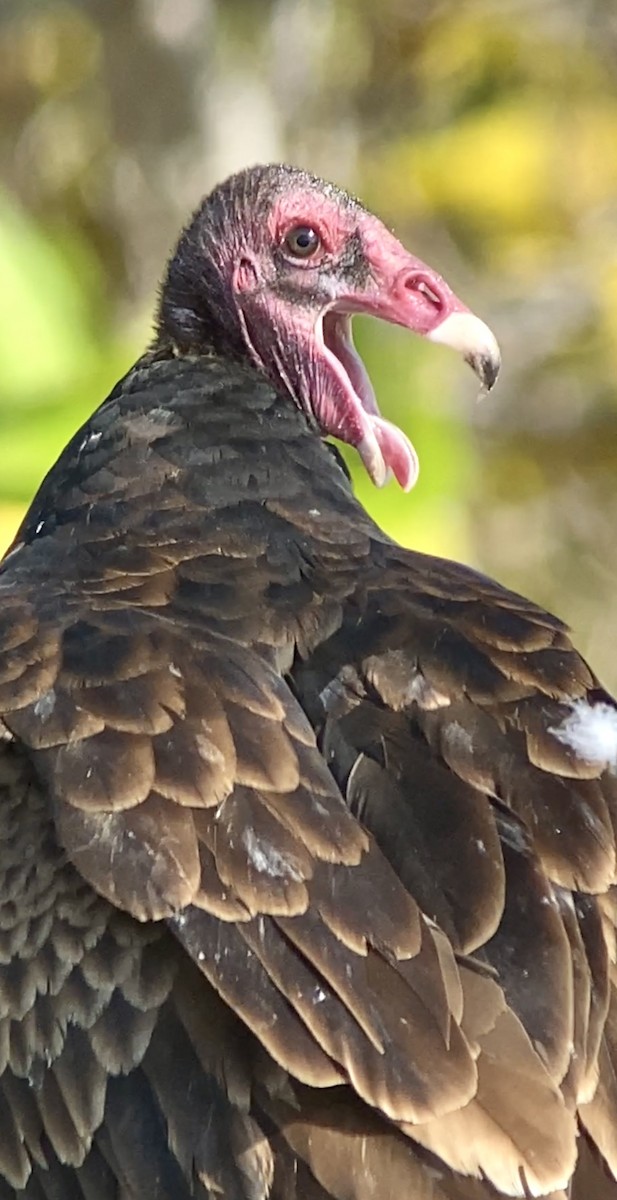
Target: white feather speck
<point x="590" y="731"/>
<point x="91" y="439"/>
<point x="45" y="705"/>
<point x="458" y="738"/>
<point x="267" y="859"/>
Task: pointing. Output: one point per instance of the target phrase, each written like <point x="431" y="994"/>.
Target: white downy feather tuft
<point x="591" y="731"/>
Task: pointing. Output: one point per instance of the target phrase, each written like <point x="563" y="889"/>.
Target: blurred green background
<point x="484" y="131"/>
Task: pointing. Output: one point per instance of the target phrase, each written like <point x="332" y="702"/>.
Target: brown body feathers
<point x="305" y="894"/>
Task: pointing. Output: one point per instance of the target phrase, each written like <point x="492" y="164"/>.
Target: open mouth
<point x="344" y="404"/>
<point x="353" y="415"/>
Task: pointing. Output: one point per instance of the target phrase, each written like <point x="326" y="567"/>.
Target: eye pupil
<point x="302" y="241"/>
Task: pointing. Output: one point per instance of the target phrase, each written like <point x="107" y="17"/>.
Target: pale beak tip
<point x="469" y="335"/>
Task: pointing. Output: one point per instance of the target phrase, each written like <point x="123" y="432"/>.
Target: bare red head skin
<point x="273" y="265"/>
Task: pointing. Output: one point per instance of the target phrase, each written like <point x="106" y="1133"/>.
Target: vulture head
<point x="274" y="264"/>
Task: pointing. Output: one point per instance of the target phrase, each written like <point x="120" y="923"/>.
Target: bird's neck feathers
<point x="229" y="418"/>
<point x="180" y="439"/>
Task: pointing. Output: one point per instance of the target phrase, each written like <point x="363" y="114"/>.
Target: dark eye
<point x="302" y="241"/>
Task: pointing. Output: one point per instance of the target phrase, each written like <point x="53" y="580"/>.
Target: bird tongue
<point x="384" y="449"/>
<point x="338" y="337"/>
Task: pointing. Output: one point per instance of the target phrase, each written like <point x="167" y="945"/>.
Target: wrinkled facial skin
<point x="240" y="282"/>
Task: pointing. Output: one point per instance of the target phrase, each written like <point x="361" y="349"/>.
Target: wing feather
<point x="307" y="849"/>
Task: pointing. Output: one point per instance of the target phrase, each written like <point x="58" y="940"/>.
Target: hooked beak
<point x="404" y="291"/>
<point x="463" y="331"/>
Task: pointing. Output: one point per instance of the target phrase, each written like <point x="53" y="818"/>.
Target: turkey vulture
<point x="308" y="841"/>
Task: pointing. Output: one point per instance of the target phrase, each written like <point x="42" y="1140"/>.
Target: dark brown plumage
<point x="307" y="871"/>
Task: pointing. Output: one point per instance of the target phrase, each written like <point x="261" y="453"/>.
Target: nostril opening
<point x="418" y="283"/>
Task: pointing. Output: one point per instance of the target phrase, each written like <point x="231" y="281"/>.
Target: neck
<point x="181" y="438"/>
<point x="235" y="437"/>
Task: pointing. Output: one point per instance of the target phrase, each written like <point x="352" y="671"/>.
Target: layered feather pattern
<point x="304" y="894"/>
